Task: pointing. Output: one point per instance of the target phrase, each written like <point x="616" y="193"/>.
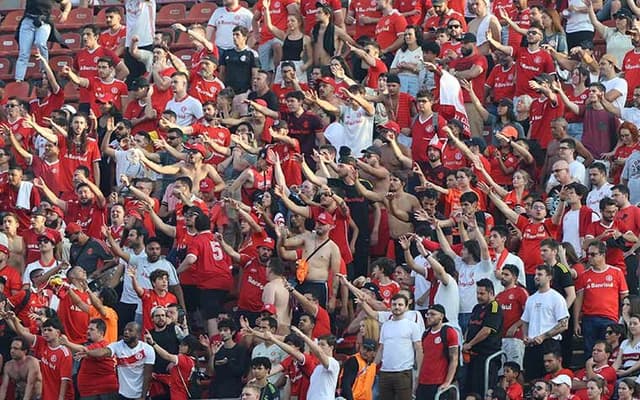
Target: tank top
<point x="292" y="49"/>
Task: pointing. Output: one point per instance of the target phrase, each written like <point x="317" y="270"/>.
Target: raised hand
<point x="179" y="27"/>
<point x="404" y="242"/>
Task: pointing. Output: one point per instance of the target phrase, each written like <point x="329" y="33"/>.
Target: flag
<point x="451" y="103"/>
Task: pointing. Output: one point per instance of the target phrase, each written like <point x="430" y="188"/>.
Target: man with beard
<point x="15" y="244"/>
<point x="229" y="361"/>
<point x="134" y="360"/>
<point x="443" y="16"/>
<point x="194" y="167"/>
<point x="101" y="86"/>
<point x="204" y="85"/>
<point x="512" y="299"/>
<point x="540" y="389"/>
<point x="254" y="277"/>
<point x="12" y="202"/>
<point x="87" y="210"/>
<point x="144" y="108"/>
<point x="544" y="318"/>
<point x="609" y="231"/>
<point x="88" y="252"/>
<point x="289" y="83"/>
<point x="187" y="108"/>
<point x="23" y="371"/>
<point x="46" y="261"/>
<point x="260" y="90"/>
<point x="145" y="260"/>
<point x="165" y="335"/>
<point x="600" y="187"/>
<point x="113" y="38"/>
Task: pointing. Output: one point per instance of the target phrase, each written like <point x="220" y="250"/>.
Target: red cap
<point x="267" y="242"/>
<point x="57" y="210"/>
<point x="198" y="147"/>
<point x="437" y="143"/>
<point x="133" y="212"/>
<point x="327" y="80"/>
<point x="73" y="228"/>
<point x="392" y="126"/>
<point x="49" y="236"/>
<point x="325" y="218"/>
<point x="4" y="249"/>
<point x="207" y="185"/>
<point x="510" y="132"/>
<point x="270" y="308"/>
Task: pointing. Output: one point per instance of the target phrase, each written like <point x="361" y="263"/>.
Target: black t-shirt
<point x="228" y="377"/>
<point x="486" y="315"/>
<point x="88" y="255"/>
<point x="269" y="97"/>
<point x="238" y="66"/>
<point x="168" y="340"/>
<point x="561" y="279"/>
<point x="358" y="205"/>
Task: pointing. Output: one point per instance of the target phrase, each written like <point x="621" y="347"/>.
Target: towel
<point x="24" y="195"/>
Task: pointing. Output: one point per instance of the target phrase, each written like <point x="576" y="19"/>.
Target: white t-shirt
<point x="627" y="349"/>
<point x="358" y="128"/>
<point x="578" y="21"/>
<point x="225" y="20"/>
<point x="323" y="381"/>
<point x="468" y="275"/>
<point x="420" y="284"/>
<point x="597" y="194"/>
<point x="449" y="296"/>
<point x="188" y="110"/>
<point x="143" y="270"/>
<point x="408" y="56"/>
<point x="131" y="362"/>
<point x="140" y="21"/>
<point x="631" y="114"/>
<point x="509" y="259"/>
<point x="397" y="337"/>
<point x="33" y="266"/>
<point x="413" y="315"/>
<point x="543" y="311"/>
<point x="621" y="86"/>
<point x="576" y="170"/>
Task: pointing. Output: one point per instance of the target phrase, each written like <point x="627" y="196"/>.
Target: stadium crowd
<point x="374" y="200"/>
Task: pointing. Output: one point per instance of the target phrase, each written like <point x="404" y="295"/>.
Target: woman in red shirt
<point x="627" y="143"/>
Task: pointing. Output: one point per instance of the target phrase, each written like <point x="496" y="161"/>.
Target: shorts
<point x="319" y="289"/>
<point x="211" y="302"/>
<point x="191" y="298"/>
<point x="265" y="54"/>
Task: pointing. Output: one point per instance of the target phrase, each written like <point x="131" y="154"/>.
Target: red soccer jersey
<point x="465" y="64"/>
<point x="602" y="290"/>
<point x="614" y="255"/>
<point x="261" y="181"/>
<point x="512" y="302"/>
<point x="162" y="97"/>
<point x="111" y="41"/>
<point x="373" y="73"/>
<point x="25" y="308"/>
<point x="299" y="381"/>
<point x="141" y="207"/>
<point x="434" y="368"/>
<point x="515" y="391"/>
<point x="13" y="278"/>
<point x="364" y="8"/>
<point x="441" y="21"/>
<point x="628" y="219"/>
<point x="291" y="168"/>
<point x="532" y="234"/>
<point x="8" y="202"/>
<point x="577" y="98"/>
<point x="404" y="6"/>
<point x="150" y="299"/>
<point x="339" y="234"/>
<point x="49" y="172"/>
<point x="90" y="217"/>
<point x="135" y="109"/>
<point x="530" y="64"/>
<point x="97" y="375"/>
<point x="388" y="28"/>
<point x="308" y="10"/>
<point x="100" y="89"/>
<point x="85" y="64"/>
<point x="631" y="69"/>
<point x="451" y="50"/>
<point x="74" y="320"/>
<point x="387" y="291"/>
<point x="180" y="374"/>
<point x="24" y="134"/>
<point x="41" y="108"/>
<point x="422" y="131"/>
<point x="509" y="160"/>
<point x="248" y="245"/>
<point x="203" y="89"/>
<point x="55" y="366"/>
<point x="323" y="324"/>
<point x="280" y="90"/>
<point x="219" y="134"/>
<point x="278" y="12"/>
<point x="606" y="372"/>
<point x="503" y="82"/>
<point x="213" y="266"/>
<point x="254" y="278"/>
<point x="542" y="112"/>
<point x="72" y="159"/>
<point x="622" y="151"/>
<point x="30" y="238"/>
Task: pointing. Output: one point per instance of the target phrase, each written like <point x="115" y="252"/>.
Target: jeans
<point x="575" y="130"/>
<point x="31" y="35"/>
<point x="409" y="83"/>
<point x="593" y="328"/>
<point x="463" y="321"/>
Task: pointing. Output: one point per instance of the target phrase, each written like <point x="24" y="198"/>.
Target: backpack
<point x="443" y="337"/>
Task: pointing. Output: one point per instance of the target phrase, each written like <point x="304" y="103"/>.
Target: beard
<point x="466" y="51"/>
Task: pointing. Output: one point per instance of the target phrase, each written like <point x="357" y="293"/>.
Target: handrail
<point x="446" y="389"/>
<point x="487" y="364"/>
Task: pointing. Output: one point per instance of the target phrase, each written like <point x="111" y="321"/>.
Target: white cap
<point x="560" y="379"/>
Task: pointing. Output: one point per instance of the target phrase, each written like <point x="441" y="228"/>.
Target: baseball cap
<point x="623" y="13"/>
<point x="138" y="83"/>
<point x="510" y="132"/>
<point x="369" y="344"/>
<point x="372" y="287"/>
<point x="543" y="78"/>
<point x="210" y="58"/>
<point x="49" y="236"/>
<point x="436" y="143"/>
<point x="468" y="38"/>
<point x="267" y="242"/>
<point x="270" y="308"/>
<point x="391" y="126"/>
<point x="73" y="228"/>
<point x="39" y="211"/>
<point x="372" y="150"/>
<point x="56" y="210"/>
<point x="439" y="308"/>
<point x="562" y="379"/>
<point x="325" y="218"/>
<point x="206" y="185"/>
<point x="324" y="6"/>
<point x="438" y="2"/>
<point x="4" y="249"/>
<point x="612" y="59"/>
<point x="476" y="141"/>
<point x="134" y="213"/>
<point x="506" y="103"/>
<point x="327" y="81"/>
<point x="197" y="147"/>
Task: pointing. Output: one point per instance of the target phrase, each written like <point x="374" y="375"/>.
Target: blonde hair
<point x="371" y="329"/>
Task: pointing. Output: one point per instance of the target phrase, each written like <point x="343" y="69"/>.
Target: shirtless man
<point x="23" y="371"/>
<point x="482" y="23"/>
<point x="276" y="294"/>
<point x="16" y="245"/>
<point x="401" y="206"/>
<point x="322" y="257"/>
<point x="394" y="156"/>
<point x="194" y="167"/>
<point x="321" y="54"/>
<point x="255" y="178"/>
<point x="372" y="170"/>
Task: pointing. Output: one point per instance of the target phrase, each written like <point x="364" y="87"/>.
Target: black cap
<point x="369" y="344"/>
<point x="373" y="288"/>
<point x="623" y="13"/>
<point x="543" y="78"/>
<point x="373" y="150"/>
<point x="138" y="83"/>
<point x="439" y="308"/>
<point x="468" y="38"/>
<point x="325" y="7"/>
<point x="393" y="78"/>
<point x="506" y="102"/>
<point x="209" y="58"/>
<point x="476" y="141"/>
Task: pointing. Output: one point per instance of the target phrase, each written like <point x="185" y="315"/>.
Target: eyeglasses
<point x="608" y="332"/>
<point x="593" y="254"/>
<point x="454" y="26"/>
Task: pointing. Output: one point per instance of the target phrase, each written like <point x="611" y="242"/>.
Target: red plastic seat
<point x="78" y="17"/>
<point x="71" y="92"/>
<point x="34" y="71"/>
<point x="6" y="69"/>
<point x="60" y="61"/>
<point x="171" y="13"/>
<point x="8" y="46"/>
<point x="100" y="18"/>
<point x="183" y="42"/>
<point x="11" y="21"/>
<point x="200" y="13"/>
<point x="186" y="57"/>
<point x="20" y="90"/>
<point x="71" y="39"/>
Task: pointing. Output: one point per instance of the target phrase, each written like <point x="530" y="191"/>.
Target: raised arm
<point x="510" y="214"/>
<point x="573" y="107"/>
<point x="368" y="194"/>
<point x="593" y="18"/>
<point x="39" y="183"/>
<point x="444" y="243"/>
<point x="82" y="82"/>
<point x="235" y="256"/>
<point x="304" y="211"/>
<point x="267" y="20"/>
<point x="51" y="77"/>
<point x="161" y="169"/>
<point x="497" y="45"/>
<point x="17" y="146"/>
<point x="162" y="353"/>
<point x="313" y="347"/>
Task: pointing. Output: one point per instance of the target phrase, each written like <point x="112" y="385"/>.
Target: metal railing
<point x="445" y="390"/>
<point x="487" y="365"/>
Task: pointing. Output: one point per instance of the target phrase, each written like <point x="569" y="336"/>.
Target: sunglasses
<point x="593" y="254"/>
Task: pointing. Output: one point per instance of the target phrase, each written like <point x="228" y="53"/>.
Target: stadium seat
<point x="183" y="42"/>
<point x="20" y="90"/>
<point x="71" y="92"/>
<point x="78" y="17"/>
<point x="60" y="61"/>
<point x="170" y="14"/>
<point x="100" y="18"/>
<point x="6" y="69"/>
<point x="11" y="21"/>
<point x="33" y="69"/>
<point x="200" y="13"/>
<point x="185" y="56"/>
<point x="8" y="46"/>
